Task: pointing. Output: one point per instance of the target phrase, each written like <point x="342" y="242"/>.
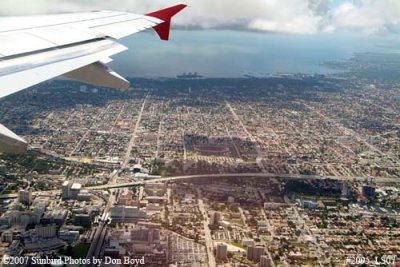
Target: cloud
<point x="290" y="16"/>
<point x="369" y="17"/>
<point x="287" y="16"/>
<point x="299" y="24"/>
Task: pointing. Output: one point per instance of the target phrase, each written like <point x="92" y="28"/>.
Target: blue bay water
<point x="225" y="53"/>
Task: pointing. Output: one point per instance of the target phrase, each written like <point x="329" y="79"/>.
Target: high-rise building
<point x="25" y="197"/>
<point x="75" y="190"/>
<point x="46" y="231"/>
<point x="13" y="217"/>
<point x="215" y="218"/>
<point x="265" y="261"/>
<point x="70" y="190"/>
<point x="221" y="252"/>
<point x="65" y="190"/>
<point x="254" y="253"/>
<point x="57" y="216"/>
<point x="249" y="253"/>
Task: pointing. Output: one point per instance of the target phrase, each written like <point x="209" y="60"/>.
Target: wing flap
<point x="100" y="75"/>
<point x="10" y="142"/>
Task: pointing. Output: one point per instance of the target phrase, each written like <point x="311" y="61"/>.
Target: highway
<point x="243" y="175"/>
<point x="225" y="175"/>
<point x="101" y="231"/>
<point x="99" y="235"/>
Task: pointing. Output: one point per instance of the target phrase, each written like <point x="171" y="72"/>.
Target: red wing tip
<point x="165" y="15"/>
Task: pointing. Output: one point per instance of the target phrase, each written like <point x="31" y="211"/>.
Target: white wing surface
<point x="37" y="48"/>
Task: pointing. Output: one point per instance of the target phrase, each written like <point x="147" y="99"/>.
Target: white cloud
<point x="292" y="16"/>
<point x="302" y="24"/>
<point x="288" y="16"/>
<point x="370" y="16"/>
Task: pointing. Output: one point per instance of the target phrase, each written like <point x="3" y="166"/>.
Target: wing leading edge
<point x="36" y="49"/>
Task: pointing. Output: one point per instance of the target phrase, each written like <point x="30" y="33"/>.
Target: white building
<point x="70" y="190"/>
<point x="65" y="190"/>
<point x="75" y="190"/>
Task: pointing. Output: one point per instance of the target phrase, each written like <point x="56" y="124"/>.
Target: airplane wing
<point x="78" y="46"/>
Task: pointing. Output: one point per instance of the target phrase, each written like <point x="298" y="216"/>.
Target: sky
<point x="229" y="38"/>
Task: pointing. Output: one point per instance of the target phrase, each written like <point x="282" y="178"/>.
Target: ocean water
<point x="223" y="53"/>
